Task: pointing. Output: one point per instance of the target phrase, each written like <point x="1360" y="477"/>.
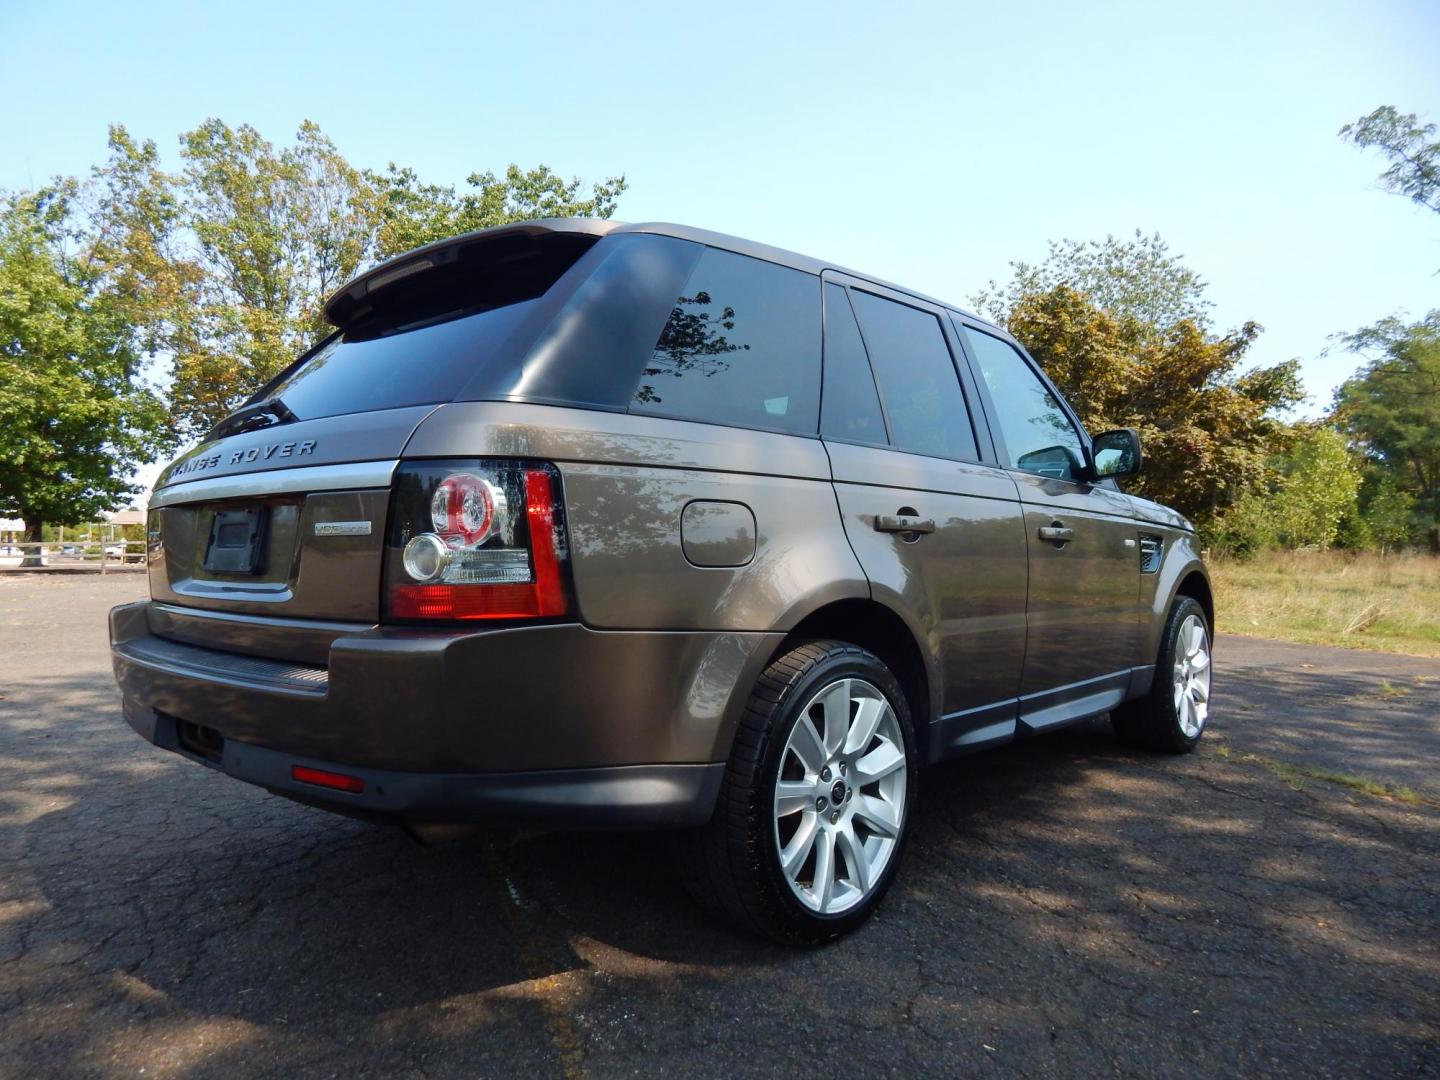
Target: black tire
<point x="1153" y="721"/>
<point x="731" y="865"/>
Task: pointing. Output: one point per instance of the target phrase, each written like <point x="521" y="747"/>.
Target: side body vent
<point x="1151" y="550"/>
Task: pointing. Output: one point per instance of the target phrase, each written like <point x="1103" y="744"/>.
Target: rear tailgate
<point x="285" y="521"/>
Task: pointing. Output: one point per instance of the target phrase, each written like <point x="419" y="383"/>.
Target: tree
<point x="1391" y="406"/>
<point x="1209" y="430"/>
<point x="413" y="213"/>
<point x="1130" y="279"/>
<point x="1318" y="491"/>
<point x="1411" y="147"/>
<point x="241" y="248"/>
<point x="275" y="231"/>
<point x="74" y="416"/>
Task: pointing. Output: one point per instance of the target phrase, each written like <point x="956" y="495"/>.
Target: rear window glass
<point x="917" y="378"/>
<point x="741" y="346"/>
<point x="413" y="367"/>
<point x="427" y="337"/>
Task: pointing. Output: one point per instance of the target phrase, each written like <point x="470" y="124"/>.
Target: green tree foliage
<point x="274" y="232"/>
<point x="1386" y="510"/>
<point x="1318" y="489"/>
<point x="1129" y="279"/>
<point x="413" y="213"/>
<point x="240" y="248"/>
<point x="1391" y="407"/>
<point x="1411" y="147"/>
<point x="1209" y="430"/>
<point x="1381" y="517"/>
<point x="1247" y="528"/>
<point x="74" y="415"/>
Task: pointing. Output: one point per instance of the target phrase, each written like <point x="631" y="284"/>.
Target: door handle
<point x="1056" y="533"/>
<point x="903" y="523"/>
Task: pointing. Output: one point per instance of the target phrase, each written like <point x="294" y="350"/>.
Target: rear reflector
<point x="321" y="778"/>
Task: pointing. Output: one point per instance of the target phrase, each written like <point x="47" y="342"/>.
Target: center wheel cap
<point x="837" y="793"/>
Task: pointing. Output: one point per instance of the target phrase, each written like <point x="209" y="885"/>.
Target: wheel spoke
<point x="824" y="884"/>
<point x="1199" y="690"/>
<point x="1201" y="661"/>
<point x="798" y="849"/>
<point x="808" y="746"/>
<point x="867" y="719"/>
<point x="879" y="763"/>
<point x="855" y="859"/>
<point x="879" y="815"/>
<point x="1193" y="637"/>
<point x="793" y="796"/>
<point x="836" y="704"/>
<point x="1188" y="719"/>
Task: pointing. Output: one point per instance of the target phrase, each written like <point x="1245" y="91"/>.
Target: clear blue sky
<point x="929" y="143"/>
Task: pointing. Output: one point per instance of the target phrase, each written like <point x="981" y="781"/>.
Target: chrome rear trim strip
<point x="352" y="475"/>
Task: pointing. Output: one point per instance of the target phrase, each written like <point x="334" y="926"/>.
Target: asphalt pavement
<point x="1067" y="907"/>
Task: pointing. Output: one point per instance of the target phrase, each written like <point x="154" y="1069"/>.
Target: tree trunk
<point x="32" y="533"/>
<point x="1435" y="539"/>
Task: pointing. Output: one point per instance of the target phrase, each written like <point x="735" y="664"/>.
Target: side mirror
<point x="1055" y="462"/>
<point x="1117" y="454"/>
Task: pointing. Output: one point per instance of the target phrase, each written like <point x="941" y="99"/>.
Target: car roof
<point x="359" y="287"/>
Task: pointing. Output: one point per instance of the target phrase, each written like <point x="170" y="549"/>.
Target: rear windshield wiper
<point x="252" y="418"/>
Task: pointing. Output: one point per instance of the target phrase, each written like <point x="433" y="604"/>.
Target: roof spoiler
<point x="357" y="299"/>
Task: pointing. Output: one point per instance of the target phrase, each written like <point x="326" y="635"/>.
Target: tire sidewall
<point x="852" y="662"/>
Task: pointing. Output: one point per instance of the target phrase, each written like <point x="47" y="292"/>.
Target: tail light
<point x="476" y="540"/>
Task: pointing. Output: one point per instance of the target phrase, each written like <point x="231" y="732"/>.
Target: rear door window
<point x="741" y="346"/>
<point x="849" y="407"/>
<point x="919" y="386"/>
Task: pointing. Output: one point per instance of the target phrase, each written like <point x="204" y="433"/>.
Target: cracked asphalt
<point x="1067" y="907"/>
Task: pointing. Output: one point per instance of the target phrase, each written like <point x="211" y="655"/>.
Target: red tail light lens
<point x="476" y="540"/>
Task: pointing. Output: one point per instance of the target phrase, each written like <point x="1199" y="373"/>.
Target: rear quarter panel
<point x="627" y="481"/>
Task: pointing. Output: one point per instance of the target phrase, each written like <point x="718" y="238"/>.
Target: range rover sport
<point x="601" y="525"/>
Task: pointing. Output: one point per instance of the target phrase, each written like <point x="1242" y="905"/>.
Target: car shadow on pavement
<point x="1066" y="903"/>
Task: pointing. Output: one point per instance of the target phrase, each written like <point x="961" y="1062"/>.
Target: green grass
<point x="1354" y="600"/>
<point x="1295" y="776"/>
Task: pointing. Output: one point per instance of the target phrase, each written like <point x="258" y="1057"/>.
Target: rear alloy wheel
<point x="840" y="796"/>
<point x="1172" y="716"/>
<point x="810" y="824"/>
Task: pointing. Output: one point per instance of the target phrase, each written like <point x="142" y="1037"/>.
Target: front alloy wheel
<point x="1173" y="715"/>
<point x="1191" y="676"/>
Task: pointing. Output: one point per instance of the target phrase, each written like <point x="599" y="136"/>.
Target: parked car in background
<point x="602" y="525"/>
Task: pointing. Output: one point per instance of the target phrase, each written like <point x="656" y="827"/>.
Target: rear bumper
<point x="557" y="723"/>
<point x="627" y="796"/>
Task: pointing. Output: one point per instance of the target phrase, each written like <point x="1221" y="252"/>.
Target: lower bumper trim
<point x="617" y="797"/>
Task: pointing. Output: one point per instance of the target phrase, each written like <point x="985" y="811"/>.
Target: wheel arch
<point x="878" y="628"/>
<point x="1196" y="585"/>
<point x="1183" y="575"/>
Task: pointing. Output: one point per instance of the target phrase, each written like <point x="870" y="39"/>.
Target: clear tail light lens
<point x="476" y="540"/>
